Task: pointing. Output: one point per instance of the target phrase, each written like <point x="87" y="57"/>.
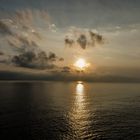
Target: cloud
<point x="24" y="30"/>
<point x="96" y="38"/>
<point x="27" y="18"/>
<point x="61" y="59"/>
<point x="17" y="36"/>
<point x="35" y="60"/>
<point x="26" y="74"/>
<point x="52" y="56"/>
<point x="24" y="16"/>
<point x="69" y="42"/>
<point x="1" y="53"/>
<point x="25" y="59"/>
<point x="83" y="38"/>
<point x="24" y="25"/>
<point x="4" y="29"/>
<point x="66" y="69"/>
<point x="27" y="41"/>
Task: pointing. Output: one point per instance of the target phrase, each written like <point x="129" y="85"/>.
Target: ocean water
<point x="69" y="111"/>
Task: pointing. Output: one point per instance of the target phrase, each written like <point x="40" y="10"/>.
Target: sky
<point x="49" y="36"/>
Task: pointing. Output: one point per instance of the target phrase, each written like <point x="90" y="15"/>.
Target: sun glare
<point x="81" y="64"/>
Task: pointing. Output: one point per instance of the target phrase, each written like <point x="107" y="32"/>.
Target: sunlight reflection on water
<point x="80" y="88"/>
<point x="79" y="115"/>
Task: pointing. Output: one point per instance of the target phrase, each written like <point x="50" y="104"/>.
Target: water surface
<point x="69" y="111"/>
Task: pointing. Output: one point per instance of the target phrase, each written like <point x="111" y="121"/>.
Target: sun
<point x="81" y="64"/>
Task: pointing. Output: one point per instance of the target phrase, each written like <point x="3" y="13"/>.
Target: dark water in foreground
<point x="69" y="111"/>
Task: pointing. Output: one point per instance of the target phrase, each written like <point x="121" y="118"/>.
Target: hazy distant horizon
<point x="62" y="76"/>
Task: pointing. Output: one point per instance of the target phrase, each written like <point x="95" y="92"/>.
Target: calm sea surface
<point x="69" y="111"/>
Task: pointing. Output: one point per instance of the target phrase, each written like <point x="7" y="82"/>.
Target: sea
<point x="48" y="110"/>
